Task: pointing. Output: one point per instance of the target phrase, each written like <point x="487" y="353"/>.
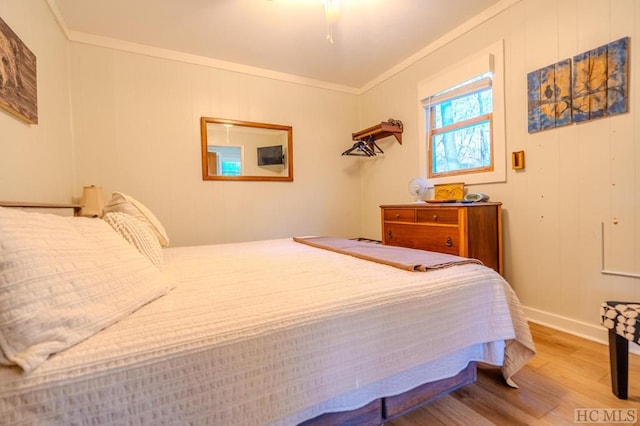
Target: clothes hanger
<point x="364" y="148"/>
<point x="373" y="145"/>
<point x="359" y="149"/>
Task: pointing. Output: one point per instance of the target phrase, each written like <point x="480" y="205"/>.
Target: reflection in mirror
<point x="243" y="150"/>
<point x="224" y="160"/>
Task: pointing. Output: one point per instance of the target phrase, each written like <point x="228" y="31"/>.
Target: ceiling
<point x="371" y="37"/>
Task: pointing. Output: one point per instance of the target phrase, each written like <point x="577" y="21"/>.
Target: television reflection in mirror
<point x="270" y="155"/>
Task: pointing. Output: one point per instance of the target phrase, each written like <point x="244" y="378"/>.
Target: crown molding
<point x="94" y="40"/>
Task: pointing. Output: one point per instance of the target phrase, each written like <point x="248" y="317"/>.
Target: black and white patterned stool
<point x="623" y="321"/>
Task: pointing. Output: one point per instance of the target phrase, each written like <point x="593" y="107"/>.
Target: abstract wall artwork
<point x="549" y="94"/>
<point x="596" y="85"/>
<point x="18" y="82"/>
<point x="600" y="84"/>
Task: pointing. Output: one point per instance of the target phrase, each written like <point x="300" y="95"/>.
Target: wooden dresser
<point x="469" y="230"/>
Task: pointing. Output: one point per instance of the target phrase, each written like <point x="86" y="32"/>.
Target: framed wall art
<point x="594" y="85"/>
<point x="18" y="82"/>
<point x="600" y="81"/>
<point x="549" y="96"/>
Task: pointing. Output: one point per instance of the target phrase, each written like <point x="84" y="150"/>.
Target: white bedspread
<point x="260" y="333"/>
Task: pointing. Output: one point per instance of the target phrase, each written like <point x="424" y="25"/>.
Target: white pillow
<point x="63" y="279"/>
<point x="137" y="234"/>
<point x="127" y="204"/>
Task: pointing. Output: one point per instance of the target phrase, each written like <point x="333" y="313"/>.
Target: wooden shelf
<point x="386" y="128"/>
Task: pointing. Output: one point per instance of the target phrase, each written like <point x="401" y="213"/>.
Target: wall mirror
<point x="244" y="150"/>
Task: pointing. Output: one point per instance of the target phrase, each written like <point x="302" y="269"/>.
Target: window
<point x="225" y="159"/>
<point x="459" y="133"/>
<point x="463" y="114"/>
<point x="231" y="168"/>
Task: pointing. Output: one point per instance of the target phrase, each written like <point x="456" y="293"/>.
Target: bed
<point x="277" y="332"/>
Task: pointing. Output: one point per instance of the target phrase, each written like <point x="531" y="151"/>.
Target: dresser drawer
<point x="425" y="237"/>
<point x="437" y="215"/>
<point x="400" y="215"/>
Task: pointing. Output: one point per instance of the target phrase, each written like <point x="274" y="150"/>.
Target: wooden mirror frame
<point x="204" y="146"/>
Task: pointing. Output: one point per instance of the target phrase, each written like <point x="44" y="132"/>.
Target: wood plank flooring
<point x="567" y="373"/>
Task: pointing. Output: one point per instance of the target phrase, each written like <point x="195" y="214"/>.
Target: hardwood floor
<point x="567" y="373"/>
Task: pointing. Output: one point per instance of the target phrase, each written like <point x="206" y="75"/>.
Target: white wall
<point x="136" y="130"/>
<point x="575" y="178"/>
<point x="36" y="161"/>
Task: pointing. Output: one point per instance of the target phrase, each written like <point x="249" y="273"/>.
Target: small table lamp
<point x="92" y="201"/>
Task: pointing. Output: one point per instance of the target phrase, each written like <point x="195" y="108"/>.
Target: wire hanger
<point x="364" y="148"/>
<point x="361" y="149"/>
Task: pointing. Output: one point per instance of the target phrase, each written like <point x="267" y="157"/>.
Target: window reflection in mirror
<point x="224" y="160"/>
<point x="242" y="150"/>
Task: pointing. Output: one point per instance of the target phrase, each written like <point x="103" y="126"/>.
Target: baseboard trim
<point x="592" y="332"/>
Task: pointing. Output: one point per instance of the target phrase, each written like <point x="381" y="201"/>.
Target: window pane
<point x="462" y="148"/>
<point x="231" y="168"/>
<point x="463" y="108"/>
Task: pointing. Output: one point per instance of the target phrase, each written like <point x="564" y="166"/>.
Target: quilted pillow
<point x="127" y="204"/>
<point x="137" y="234"/>
<point x="63" y="279"/>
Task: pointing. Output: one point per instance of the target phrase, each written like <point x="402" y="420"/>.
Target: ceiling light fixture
<point x="331" y="14"/>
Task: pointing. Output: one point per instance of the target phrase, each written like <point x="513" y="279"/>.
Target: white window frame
<point x="490" y="59"/>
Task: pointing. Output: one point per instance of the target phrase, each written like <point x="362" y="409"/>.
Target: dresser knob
<point x="397" y="216"/>
<point x="449" y="242"/>
<point x="435" y="217"/>
<point x="389" y="234"/>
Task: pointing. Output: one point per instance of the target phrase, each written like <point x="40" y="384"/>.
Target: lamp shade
<point x="92" y="201"/>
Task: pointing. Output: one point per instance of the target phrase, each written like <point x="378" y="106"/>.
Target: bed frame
<point x="59" y="207"/>
<point x="382" y="410"/>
